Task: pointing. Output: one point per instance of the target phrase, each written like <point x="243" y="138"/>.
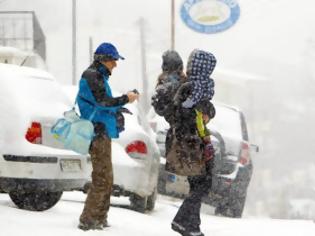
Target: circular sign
<point x="210" y="16"/>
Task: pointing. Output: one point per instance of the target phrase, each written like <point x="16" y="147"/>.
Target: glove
<point x="208" y="151"/>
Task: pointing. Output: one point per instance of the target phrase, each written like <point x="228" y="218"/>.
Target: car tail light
<point x="137" y="147"/>
<point x="244" y="160"/>
<point x="34" y="133"/>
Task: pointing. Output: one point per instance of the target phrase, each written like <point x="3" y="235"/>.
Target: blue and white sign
<point x="210" y="16"/>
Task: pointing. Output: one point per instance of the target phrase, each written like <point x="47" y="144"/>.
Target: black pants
<point x="188" y="214"/>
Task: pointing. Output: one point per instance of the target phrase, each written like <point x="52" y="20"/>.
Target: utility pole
<point x="74" y="41"/>
<point x="144" y="96"/>
<point x="173" y="24"/>
<point x="91" y="49"/>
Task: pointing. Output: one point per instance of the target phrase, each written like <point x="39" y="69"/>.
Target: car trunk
<point x="42" y="101"/>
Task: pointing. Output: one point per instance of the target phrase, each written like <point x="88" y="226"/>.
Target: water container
<point x="76" y="134"/>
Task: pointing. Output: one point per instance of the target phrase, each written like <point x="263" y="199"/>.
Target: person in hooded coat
<point x="168" y="82"/>
<point x="187" y="219"/>
<point x="171" y="92"/>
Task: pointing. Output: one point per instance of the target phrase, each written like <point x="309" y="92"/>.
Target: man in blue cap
<point x="96" y="102"/>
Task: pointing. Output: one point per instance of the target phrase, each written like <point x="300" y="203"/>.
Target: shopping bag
<point x="73" y="132"/>
<point x="185" y="158"/>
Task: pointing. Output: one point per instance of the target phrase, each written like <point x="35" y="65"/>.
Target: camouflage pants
<point x="98" y="199"/>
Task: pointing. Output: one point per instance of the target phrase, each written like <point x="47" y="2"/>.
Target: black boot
<point x="185" y="232"/>
<point x="178" y="228"/>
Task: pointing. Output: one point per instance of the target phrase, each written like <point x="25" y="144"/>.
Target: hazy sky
<point x="267" y="33"/>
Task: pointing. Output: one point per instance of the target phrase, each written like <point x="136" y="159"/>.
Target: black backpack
<point x="162" y="100"/>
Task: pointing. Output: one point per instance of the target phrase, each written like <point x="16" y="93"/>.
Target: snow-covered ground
<point x="63" y="219"/>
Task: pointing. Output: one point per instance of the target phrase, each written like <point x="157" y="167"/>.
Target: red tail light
<point x="34" y="133"/>
<point x="137" y="147"/>
<point x="244" y="160"/>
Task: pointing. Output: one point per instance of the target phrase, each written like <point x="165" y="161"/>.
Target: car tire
<point x="221" y="209"/>
<point x="233" y="209"/>
<point x="161" y="186"/>
<point x="236" y="207"/>
<point x="233" y="206"/>
<point x="35" y="201"/>
<point x="238" y="193"/>
<point x="151" y="200"/>
<point x="138" y="203"/>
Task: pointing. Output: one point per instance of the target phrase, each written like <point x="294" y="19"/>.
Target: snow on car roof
<point x="20" y="71"/>
<point x="11" y="51"/>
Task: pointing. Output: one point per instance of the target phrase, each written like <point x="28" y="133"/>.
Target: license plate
<point x="70" y="165"/>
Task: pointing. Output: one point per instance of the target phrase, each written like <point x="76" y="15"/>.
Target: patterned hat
<point x="201" y="63"/>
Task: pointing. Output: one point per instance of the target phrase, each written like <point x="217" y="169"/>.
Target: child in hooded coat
<point x="199" y="69"/>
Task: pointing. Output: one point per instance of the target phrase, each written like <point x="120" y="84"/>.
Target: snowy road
<point x="63" y="218"/>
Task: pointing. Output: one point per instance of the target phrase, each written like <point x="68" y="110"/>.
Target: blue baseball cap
<point x="109" y="51"/>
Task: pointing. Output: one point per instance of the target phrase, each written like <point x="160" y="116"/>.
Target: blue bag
<point x="73" y="132"/>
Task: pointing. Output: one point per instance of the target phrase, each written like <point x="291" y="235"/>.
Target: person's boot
<point x="90" y="226"/>
<point x="178" y="228"/>
<point x="193" y="233"/>
<point x="185" y="232"/>
<point x="105" y="224"/>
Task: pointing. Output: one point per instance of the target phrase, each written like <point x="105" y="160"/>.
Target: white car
<point x="35" y="169"/>
<point x="34" y="175"/>
<point x="136" y="174"/>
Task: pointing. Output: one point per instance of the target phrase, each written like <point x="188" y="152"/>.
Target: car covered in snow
<point x="232" y="164"/>
<point x="35" y="169"/>
<point x="34" y="174"/>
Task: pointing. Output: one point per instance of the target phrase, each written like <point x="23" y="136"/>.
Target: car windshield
<point x="227" y="122"/>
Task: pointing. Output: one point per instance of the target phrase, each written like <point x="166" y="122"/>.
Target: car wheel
<point x="35" y="201"/>
<point x="238" y="193"/>
<point x="236" y="207"/>
<point x="221" y="210"/>
<point x="1" y="190"/>
<point x="162" y="180"/>
<point x="233" y="209"/>
<point x="151" y="200"/>
<point x="138" y="203"/>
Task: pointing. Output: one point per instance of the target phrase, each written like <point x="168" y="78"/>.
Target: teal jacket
<point x="96" y="102"/>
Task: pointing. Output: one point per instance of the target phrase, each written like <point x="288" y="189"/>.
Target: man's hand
<point x="132" y="96"/>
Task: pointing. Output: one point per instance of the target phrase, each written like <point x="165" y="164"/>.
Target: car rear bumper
<point x="51" y="172"/>
<point x="22" y="184"/>
<point x="133" y="179"/>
